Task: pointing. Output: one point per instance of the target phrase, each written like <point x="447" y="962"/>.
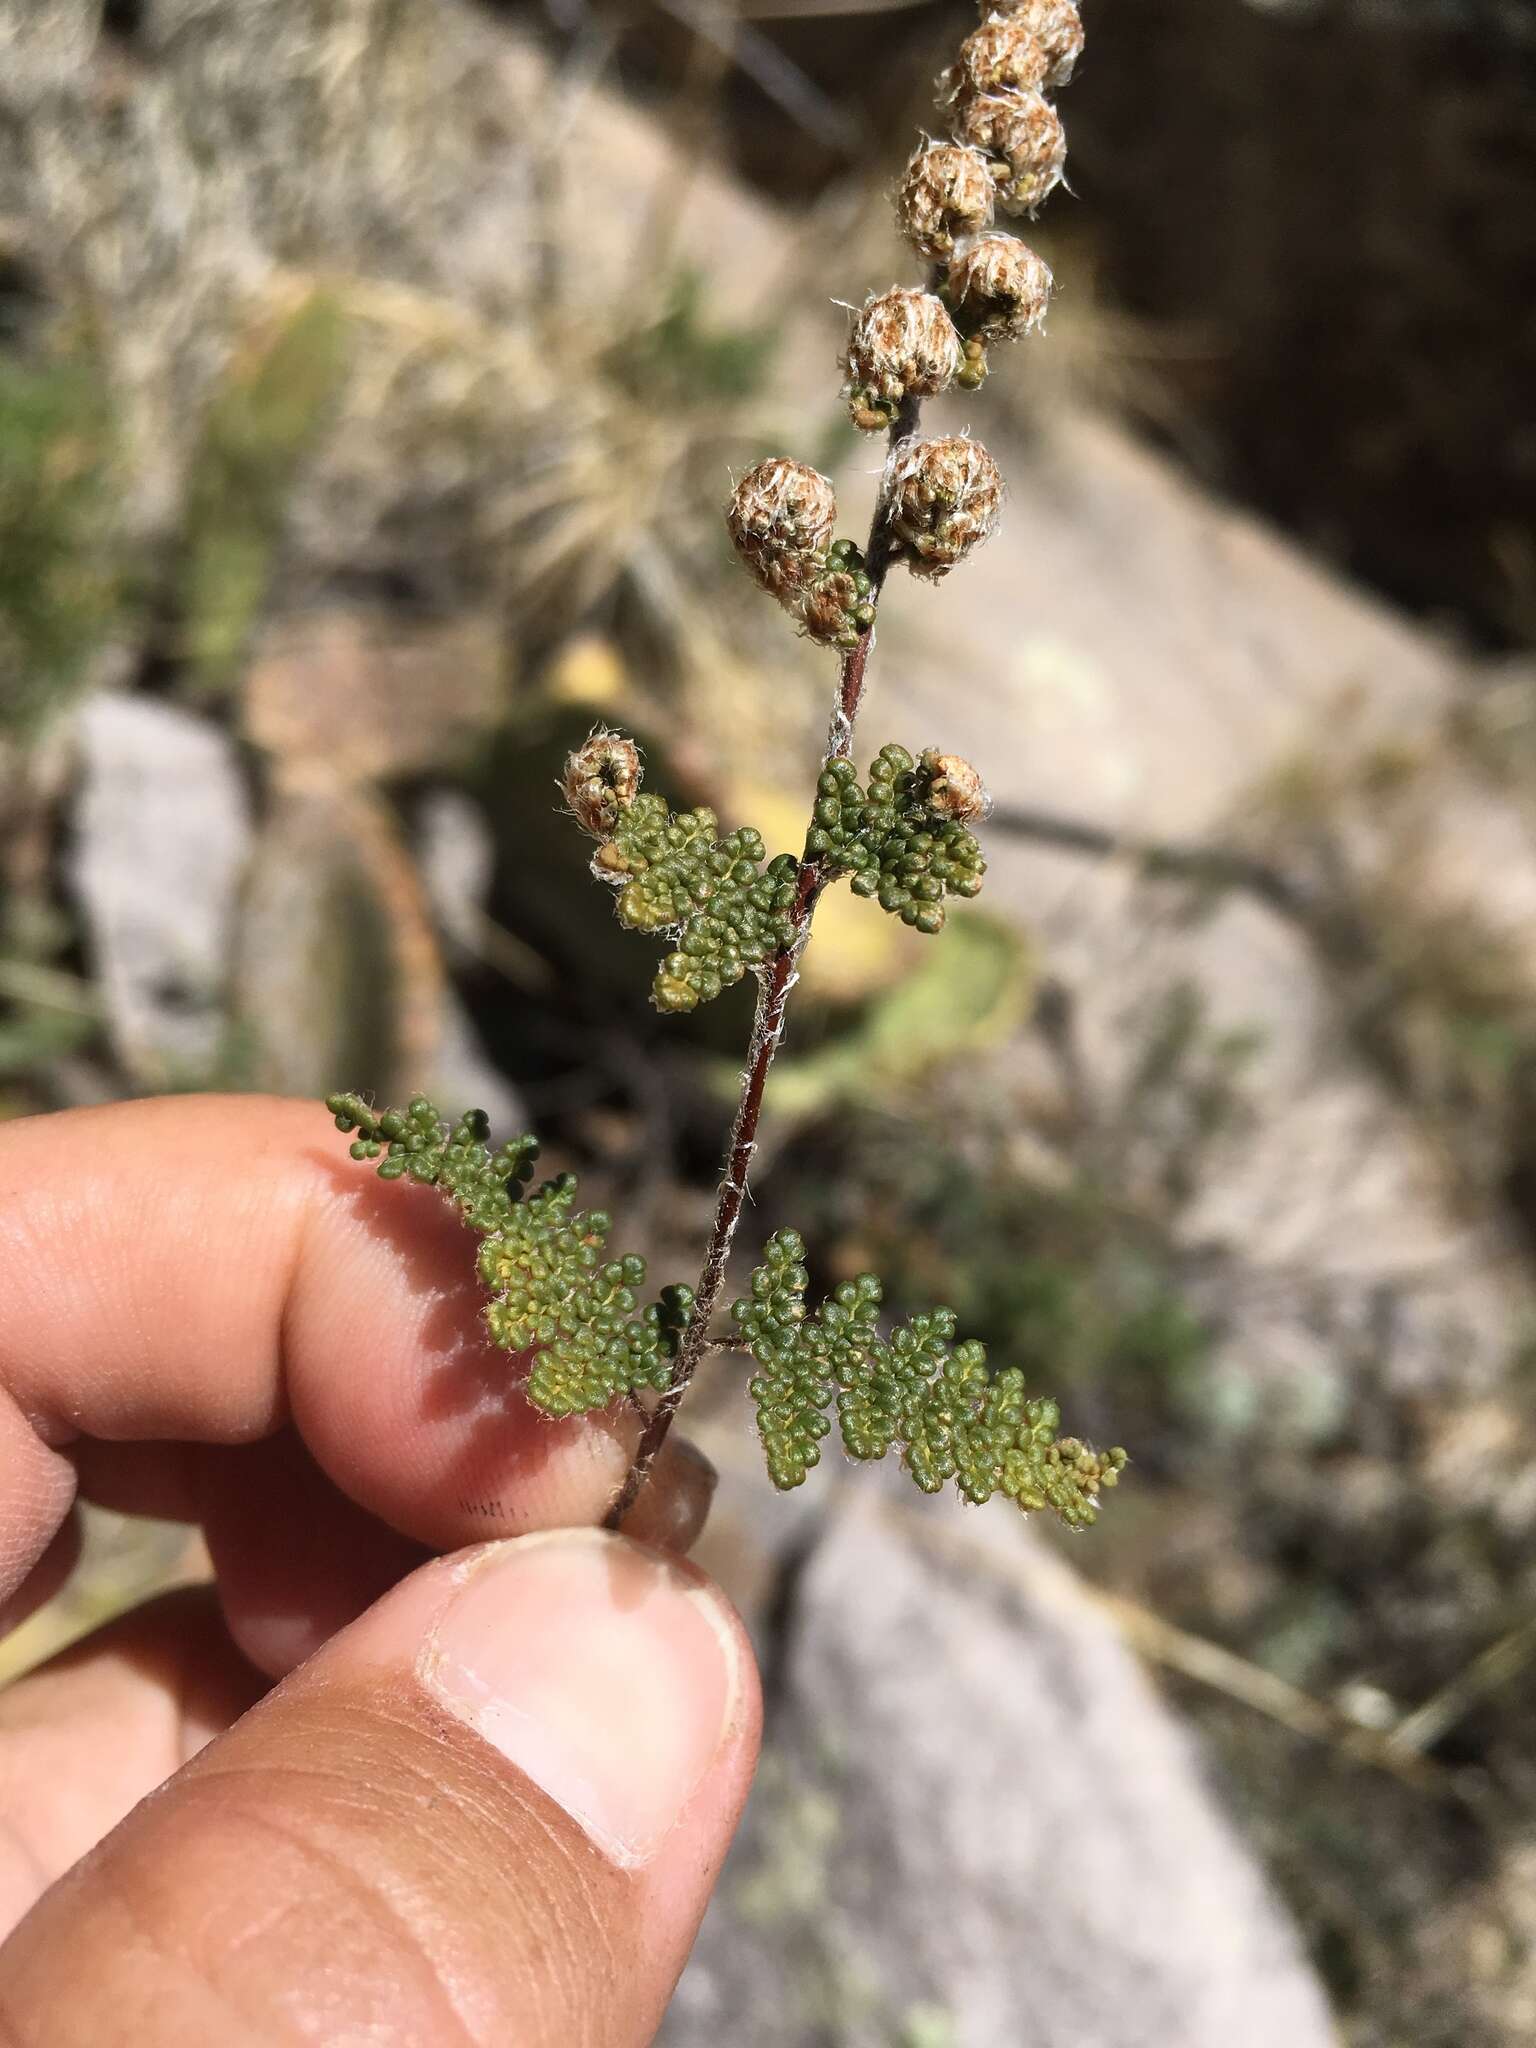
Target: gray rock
<point x="978" y="1826"/>
<point x="456" y="852"/>
<point x="162" y="838"/>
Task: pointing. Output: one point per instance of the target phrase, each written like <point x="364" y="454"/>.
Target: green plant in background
<point x="260" y="426"/>
<point x="681" y="360"/>
<point x="47" y="1020"/>
<point x="59" y="588"/>
<point x="1074" y="1272"/>
<point x="901" y="837"/>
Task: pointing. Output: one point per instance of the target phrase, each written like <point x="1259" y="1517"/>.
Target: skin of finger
<point x="159" y="1480"/>
<point x="295" y="1561"/>
<point x="37" y="1489"/>
<point x="45" y="1579"/>
<point x="88" y="1735"/>
<point x="205" y="1268"/>
<point x="350" y="1862"/>
<point x="167" y="1481"/>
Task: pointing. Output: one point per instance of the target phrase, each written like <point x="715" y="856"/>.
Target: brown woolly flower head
<point x="836" y="607"/>
<point x="954" y="789"/>
<point x="781" y="519"/>
<point x="1022" y="132"/>
<point x="944" y="501"/>
<point x="601" y="779"/>
<point x="998" y="287"/>
<point x="1058" y="28"/>
<point x="903" y="345"/>
<point x="1003" y="55"/>
<point x="946" y="194"/>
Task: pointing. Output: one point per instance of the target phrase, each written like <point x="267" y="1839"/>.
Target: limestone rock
<point x="978" y="1824"/>
<point x="162" y="839"/>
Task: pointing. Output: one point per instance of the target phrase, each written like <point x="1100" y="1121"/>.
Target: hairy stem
<point x="777" y="980"/>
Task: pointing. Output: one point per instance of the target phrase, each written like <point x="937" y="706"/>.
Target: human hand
<point x="489" y="1798"/>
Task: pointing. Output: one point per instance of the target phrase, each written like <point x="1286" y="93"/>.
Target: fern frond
<point x="553" y="1292"/>
<point x="917" y="1392"/>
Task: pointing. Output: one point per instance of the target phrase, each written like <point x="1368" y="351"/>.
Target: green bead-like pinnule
<point x="918" y="1392"/>
<point x="892" y="842"/>
<point x="800" y="1363"/>
<point x="554" y="1293"/>
<point x="420" y="1143"/>
<point x="725" y="911"/>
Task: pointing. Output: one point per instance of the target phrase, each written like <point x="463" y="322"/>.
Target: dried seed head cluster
<point x="781" y="519"/>
<point x="1057" y="27"/>
<point x="903" y="345"/>
<point x="954" y="789"/>
<point x="602" y="778"/>
<point x="993" y="95"/>
<point x="939" y="499"/>
<point x="947" y="194"/>
<point x="1022" y="133"/>
<point x="943" y="498"/>
<point x="1003" y="55"/>
<point x="998" y="288"/>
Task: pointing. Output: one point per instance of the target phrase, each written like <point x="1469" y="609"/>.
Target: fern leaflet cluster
<point x="917" y="1392"/>
<point x="552" y="1291"/>
<point x="903" y="837"/>
<point x="728" y="912"/>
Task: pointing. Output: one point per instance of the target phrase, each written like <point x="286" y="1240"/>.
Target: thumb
<point x="490" y="1811"/>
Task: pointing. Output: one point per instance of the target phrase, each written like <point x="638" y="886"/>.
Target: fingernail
<point x="674" y="1503"/>
<point x="696" y="1469"/>
<point x="606" y="1673"/>
<point x="694" y="1480"/>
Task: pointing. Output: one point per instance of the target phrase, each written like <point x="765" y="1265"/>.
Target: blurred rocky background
<point x="371" y="373"/>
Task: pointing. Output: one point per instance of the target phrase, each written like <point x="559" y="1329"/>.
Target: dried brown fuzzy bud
<point x="1003" y="55"/>
<point x="835" y="608"/>
<point x="1056" y="25"/>
<point x="781" y="519"/>
<point x="601" y="779"/>
<point x="903" y="345"/>
<point x="1023" y="133"/>
<point x="954" y="789"/>
<point x="998" y="287"/>
<point x="943" y="501"/>
<point x="946" y="194"/>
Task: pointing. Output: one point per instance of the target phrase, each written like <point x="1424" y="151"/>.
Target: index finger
<point x="207" y="1268"/>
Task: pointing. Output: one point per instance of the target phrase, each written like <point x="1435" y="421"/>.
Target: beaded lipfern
<point x="916" y="1391"/>
<point x="724" y="910"/>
